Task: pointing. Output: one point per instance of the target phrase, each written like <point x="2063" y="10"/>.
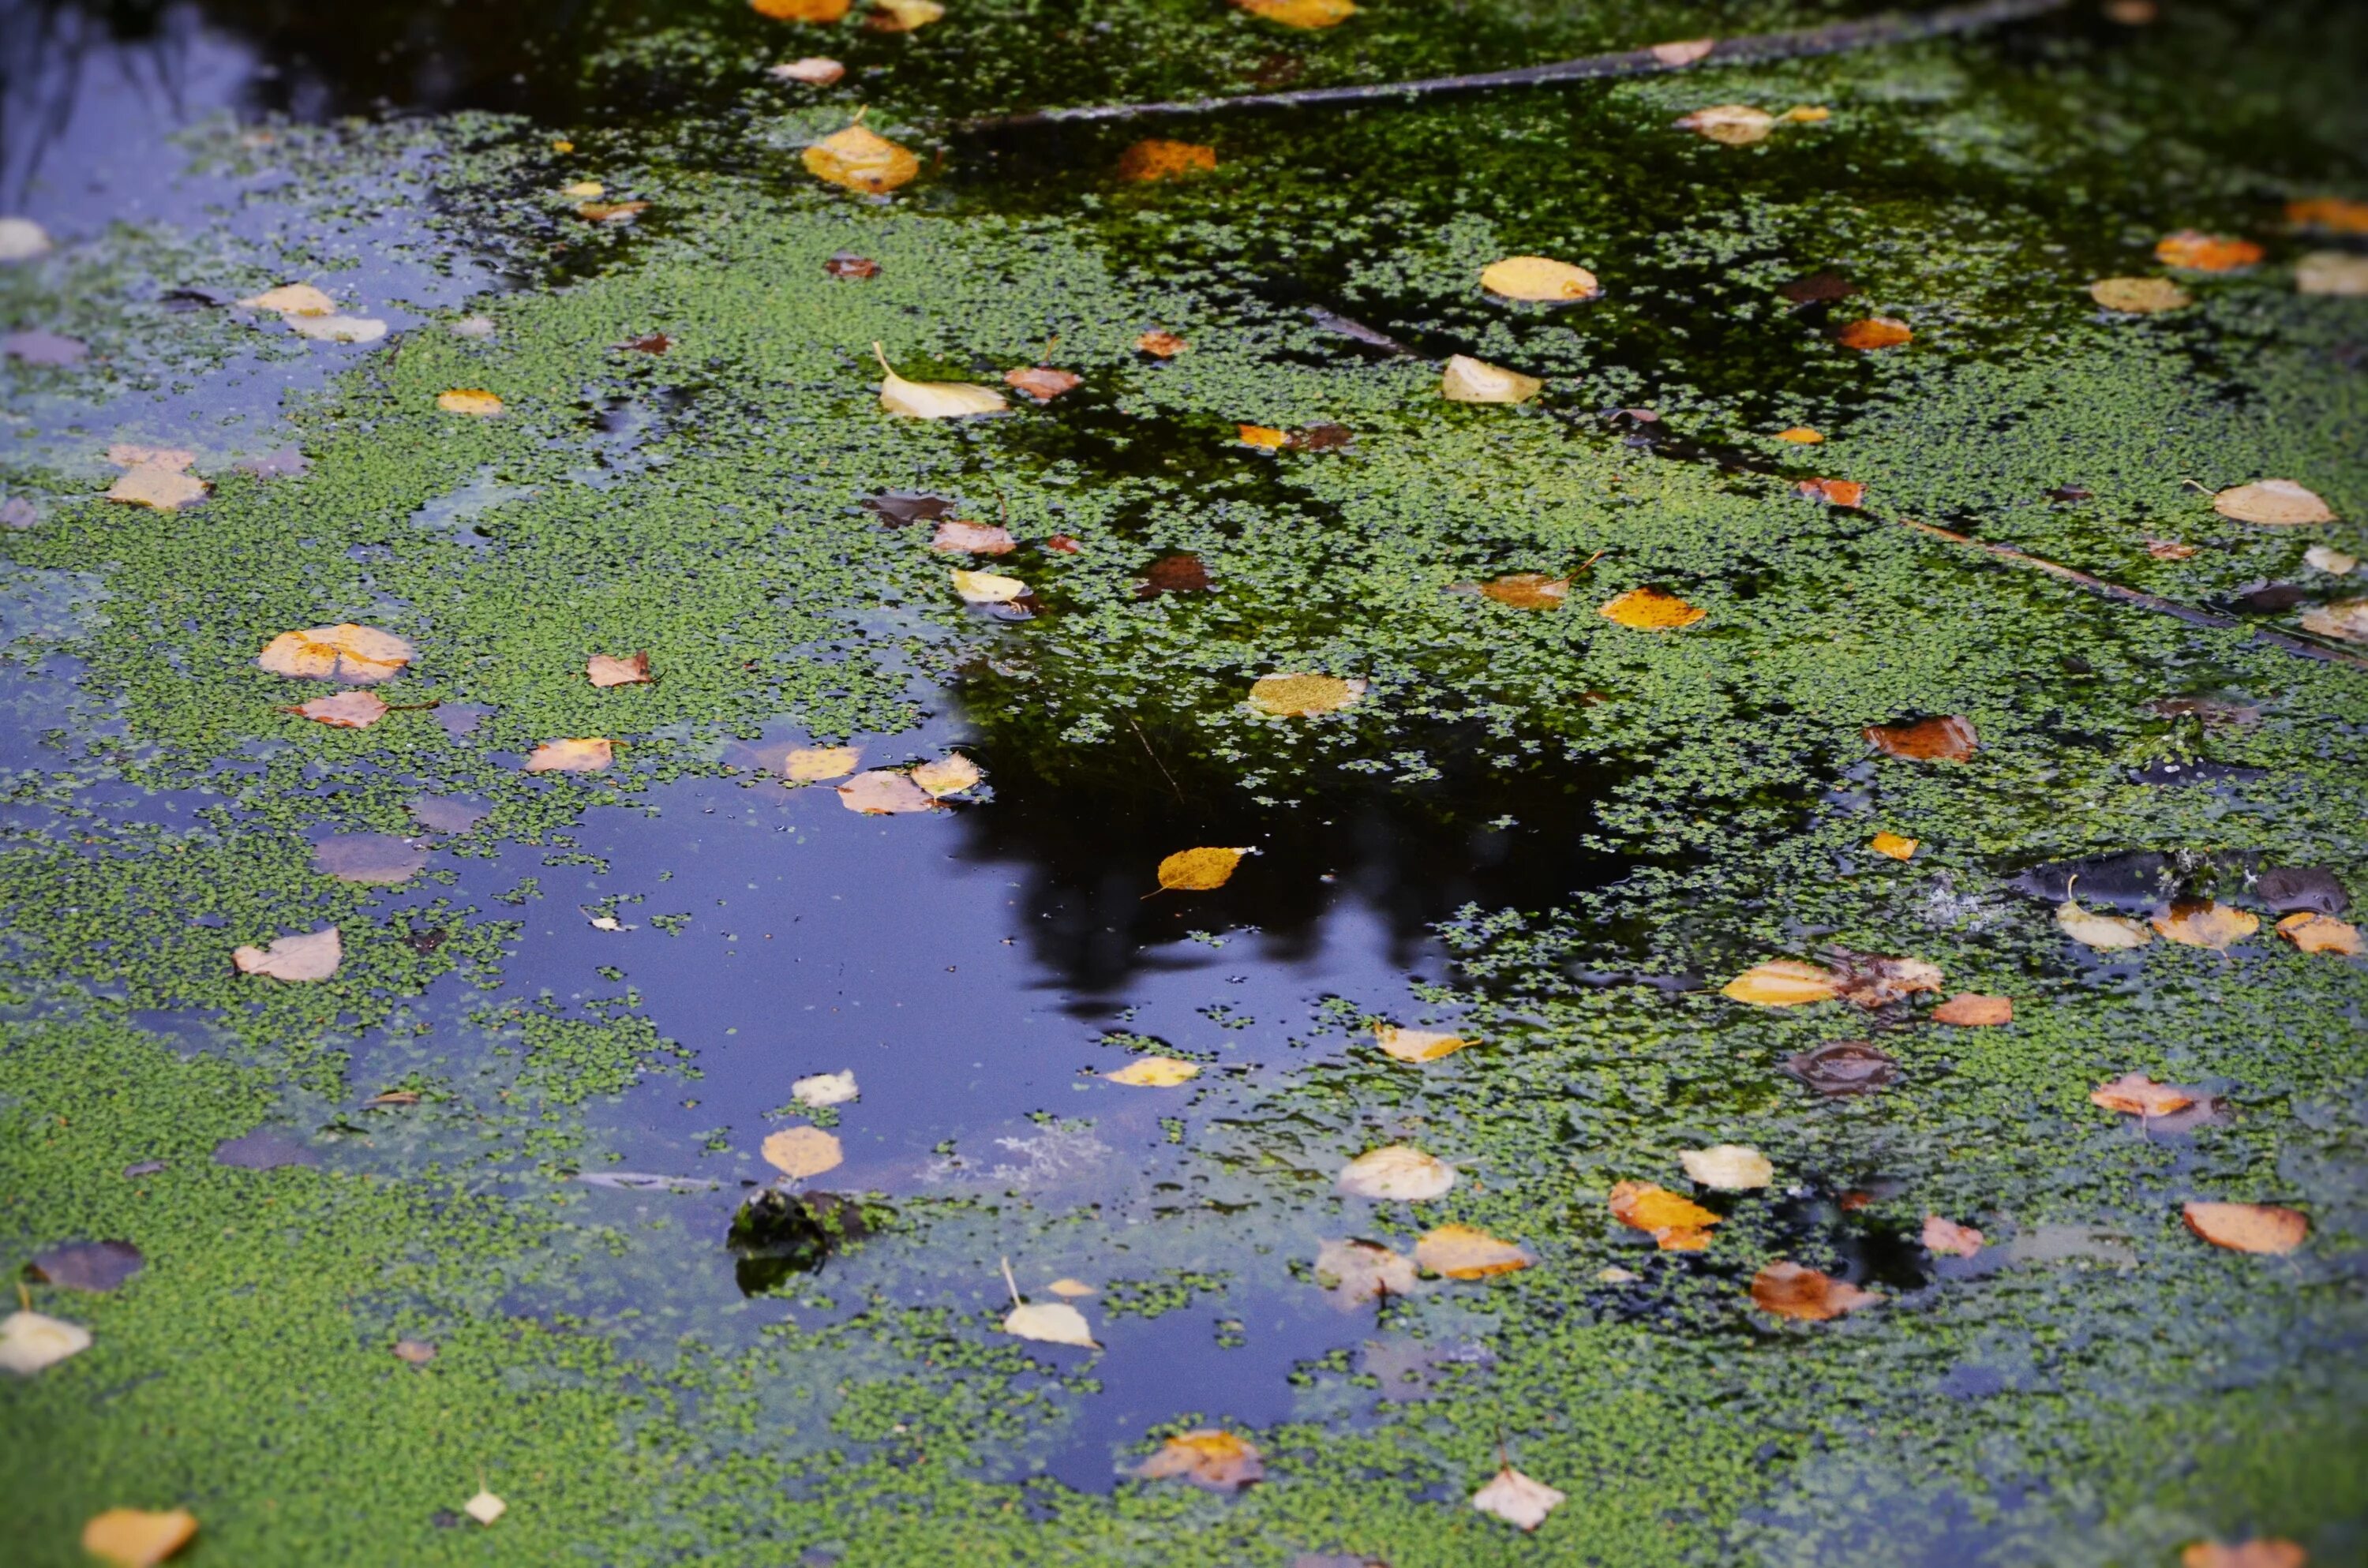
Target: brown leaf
<point x="1042" y="382"/>
<point x="2169" y="550"/>
<point x="610" y="213"/>
<point x="359" y="656"/>
<point x="1873" y="333"/>
<point x="2263" y="1552"/>
<point x="1730" y="125"/>
<point x="1971" y="1009"/>
<point x="1361" y="1271"/>
<point x="1209" y="1457"/>
<point x="159" y="489"/>
<point x="1650" y="609"/>
<point x="2347" y="620"/>
<point x="1832" y="492"/>
<point x="1155" y="159"/>
<point x="1874" y="981"/>
<point x="846" y="264"/>
<point x="1528" y="590"/>
<point x="312" y="956"/>
<point x="1842" y="1068"/>
<point x="1182" y="573"/>
<point x="2134" y="1093"/>
<point x="376" y="858"/>
<point x="1783" y="982"/>
<point x="1161" y="344"/>
<point x="2247" y="1227"/>
<point x="2316" y="933"/>
<point x="605" y="670"/>
<point x="2273" y="503"/>
<point x="1790" y="1290"/>
<point x="1321" y="436"/>
<point x="1815" y="287"/>
<point x="2197" y="252"/>
<point x="2203" y="922"/>
<point x="1948" y="739"/>
<point x="1947" y="1238"/>
<point x="882" y="793"/>
<point x="88" y="1266"/>
<point x="583" y="755"/>
<point x="812" y="71"/>
<point x="346" y="711"/>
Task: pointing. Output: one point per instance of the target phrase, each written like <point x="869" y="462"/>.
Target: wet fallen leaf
<point x="583" y="189"/>
<point x="1843" y="1068"/>
<point x="1156" y="1072"/>
<point x="475" y="402"/>
<point x="2315" y="933"/>
<point x="1155" y="159"/>
<point x="1362" y="1271"/>
<point x="902" y="15"/>
<point x="825" y="1089"/>
<point x="1417" y="1045"/>
<point x="374" y="858"/>
<point x="2346" y="619"/>
<point x="292" y="300"/>
<point x="1891" y="844"/>
<point x="1462" y="1251"/>
<point x="2196" y="252"/>
<point x="1161" y="344"/>
<point x="1945" y="739"/>
<point x="1467" y="379"/>
<point x="96" y="1267"/>
<point x="1398" y="1171"/>
<point x="2277" y="503"/>
<point x="933" y="400"/>
<point x="30" y="1341"/>
<point x="1301" y="13"/>
<point x="1790" y="1290"/>
<point x="1042" y="382"/>
<point x="2263" y="1552"/>
<point x="2108" y="933"/>
<point x="2204" y="922"/>
<point x="1263" y="435"/>
<point x="484" y="1507"/>
<point x="1528" y="590"/>
<point x="1807" y="114"/>
<point x="1676" y="1225"/>
<point x="1539" y="278"/>
<point x="2335" y="563"/>
<point x="337" y="328"/>
<point x="1685" y="51"/>
<point x="810" y="765"/>
<point x="1873" y="333"/>
<point x="1832" y="492"/>
<point x="1650" y="609"/>
<point x="2332" y="272"/>
<point x="418" y="1352"/>
<point x="987" y="588"/>
<point x="22" y="238"/>
<point x="1973" y="1010"/>
<point x="1948" y="1239"/>
<point x="1783" y="982"/>
<point x="579" y="754"/>
<point x="1727" y="1167"/>
<point x="1210" y="1457"/>
<point x="312" y="956"/>
<point x="159" y="485"/>
<point x="1199" y="870"/>
<point x="800" y="11"/>
<point x="2134" y="1093"/>
<point x="1049" y="1323"/>
<point x="1294" y="695"/>
<point x="1517" y="1500"/>
<point x="134" y="1538"/>
<point x="881" y="794"/>
<point x="605" y="670"/>
<point x="2140" y="296"/>
<point x="949" y="775"/>
<point x="1802" y="436"/>
<point x="861" y="160"/>
<point x="1180" y="572"/>
<point x="800" y="1151"/>
<point x="1730" y="125"/>
<point x="1874" y="981"/>
<point x="2247" y="1227"/>
<point x="1071" y="1287"/>
<point x="812" y="71"/>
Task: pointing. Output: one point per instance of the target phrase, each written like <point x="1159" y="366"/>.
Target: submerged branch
<point x="1837" y="38"/>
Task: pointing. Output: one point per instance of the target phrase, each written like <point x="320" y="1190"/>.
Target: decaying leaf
<point x="814" y="69"/>
<point x="800" y="1151"/>
<point x="30" y="1341"/>
<point x="811" y="765"/>
<point x="1845" y="493"/>
<point x="1651" y="609"/>
<point x="2134" y="1093"/>
<point x="902" y="15"/>
<point x="1362" y="1271"/>
<point x="1873" y="980"/>
<point x="881" y="794"/>
<point x="1301" y="13"/>
<point x="1209" y="1457"/>
<point x="1684" y="52"/>
<point x="1947" y="739"/>
<point x="2247" y="1227"/>
<point x="1049" y="1323"/>
<point x="1517" y="1500"/>
<point x="1042" y="382"/>
<point x="1676" y="1225"/>
<point x="583" y="754"/>
<point x="1539" y="278"/>
<point x="417" y="1352"/>
<point x="933" y="400"/>
<point x="1891" y="844"/>
<point x="2205" y="923"/>
<point x="1528" y="590"/>
<point x="1946" y="1238"/>
<point x="374" y="858"/>
<point x="1843" y="1068"/>
<point x="948" y="775"/>
<point x="2140" y="296"/>
<point x="2332" y="272"/>
<point x="346" y="711"/>
<point x="1161" y="344"/>
<point x="1875" y="332"/>
<point x="135" y="1537"/>
<point x="2195" y="252"/>
<point x="606" y="670"/>
<point x="846" y="264"/>
<point x="1294" y="695"/>
<point x="800" y="11"/>
<point x="475" y="402"/>
<point x="1783" y="982"/>
<point x="1199" y="870"/>
<point x="861" y="160"/>
<point x="2346" y="619"/>
<point x="2277" y="503"/>
<point x="1417" y="1045"/>
<point x="157" y="486"/>
<point x="1179" y="572"/>
<point x="1727" y="1167"/>
<point x="94" y="1266"/>
<point x="2170" y="550"/>
<point x="2263" y="1552"/>
<point x="2316" y="933"/>
<point x="825" y="1089"/>
<point x="1730" y="125"/>
<point x="1156" y="1072"/>
<point x="1973" y="1010"/>
<point x="1802" y="436"/>
<point x="2109" y="933"/>
<point x="987" y="588"/>
<point x="1156" y="159"/>
<point x="312" y="956"/>
<point x="1462" y="1251"/>
<point x="2324" y="558"/>
<point x="1398" y="1171"/>
<point x="1467" y="379"/>
<point x="484" y="1507"/>
<point x="1790" y="1290"/>
<point x="359" y="655"/>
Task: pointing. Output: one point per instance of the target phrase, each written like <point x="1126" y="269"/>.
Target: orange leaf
<point x="1216" y="1460"/>
<point x="134" y="1538"/>
<point x="358" y="655"/>
<point x="1528" y="590"/>
<point x="2203" y="922"/>
<point x="1153" y="159"/>
<point x="1650" y="609"/>
<point x="2265" y="1551"/>
<point x="860" y="160"/>
<point x="1949" y="739"/>
<point x="1875" y="332"/>
<point x="1973" y="1010"/>
<point x="2134" y="1093"/>
<point x="1162" y="345"/>
<point x="2315" y="933"/>
<point x="1678" y="1224"/>
<point x="1265" y="435"/>
<point x="1790" y="1290"/>
<point x="1833" y="492"/>
<point x="1946" y="1237"/>
<point x="1801" y="436"/>
<point x="1459" y="1251"/>
<point x="1042" y="384"/>
<point x="2247" y="1227"/>
<point x="1301" y="13"/>
<point x="581" y="756"/>
<point x="2199" y="252"/>
<point x="800" y="11"/>
<point x="2333" y="213"/>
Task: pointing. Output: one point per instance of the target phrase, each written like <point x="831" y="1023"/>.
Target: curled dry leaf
<point x="2332" y="272"/>
<point x="1783" y="982"/>
<point x="475" y="402"/>
<point x="1802" y="436"/>
<point x="1676" y="1225"/>
<point x="949" y="775"/>
<point x="1727" y="1167"/>
<point x="1462" y="1251"/>
<point x="1417" y="1045"/>
<point x="1156" y="1072"/>
<point x="1049" y="1323"/>
<point x="2277" y="503"/>
<point x="1209" y="1457"/>
<point x="800" y="11"/>
<point x="30" y="1341"/>
<point x="1155" y="159"/>
<point x="2204" y="922"/>
<point x="2263" y="1552"/>
<point x="135" y="1537"/>
<point x="2134" y="1093"/>
<point x="1843" y="1068"/>
<point x="811" y="765"/>
<point x="825" y="1089"/>
<point x="1947" y="739"/>
<point x="1528" y="590"/>
<point x="1832" y="492"/>
<point x="1650" y="609"/>
<point x="312" y="956"/>
<point x="2196" y="252"/>
<point x="1517" y="1500"/>
<point x="605" y="670"/>
<point x="1875" y="332"/>
<point x="588" y="753"/>
<point x="1539" y="278"/>
<point x="799" y="1152"/>
<point x="1946" y="1238"/>
<point x="1973" y="1010"/>
<point x="882" y="793"/>
<point x="359" y="655"/>
<point x="933" y="400"/>
<point x="1790" y="1290"/>
<point x="346" y="711"/>
<point x="2247" y="1227"/>
<point x="1294" y="695"/>
<point x="861" y="160"/>
<point x="1042" y="382"/>
<point x="812" y="71"/>
<point x="1362" y="1271"/>
<point x="1467" y="379"/>
<point x="1730" y="125"/>
<point x="1161" y="344"/>
<point x="902" y="15"/>
<point x="2346" y="619"/>
<point x="2316" y="933"/>
<point x="1891" y="844"/>
<point x="484" y="1507"/>
<point x="987" y="588"/>
<point x="1398" y="1171"/>
<point x="1301" y="13"/>
<point x="2140" y="296"/>
<point x="1684" y="52"/>
<point x="2108" y="933"/>
<point x="1199" y="870"/>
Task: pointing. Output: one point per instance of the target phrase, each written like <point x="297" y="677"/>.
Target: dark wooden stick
<point x="1797" y="44"/>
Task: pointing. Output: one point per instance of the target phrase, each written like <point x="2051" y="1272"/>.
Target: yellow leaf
<point x="165" y="489"/>
<point x="583" y="755"/>
<point x="808" y="765"/>
<point x="1517" y="1500"/>
<point x="1783" y="982"/>
<point x="1461" y="1251"/>
<point x="1730" y="125"/>
<point x="134" y="1538"/>
<point x="617" y="213"/>
<point x="934" y="399"/>
<point x="1467" y="379"/>
<point x="2106" y="932"/>
<point x="2275" y="503"/>
<point x="800" y="11"/>
<point x="605" y="670"/>
<point x="1417" y="1045"/>
<point x="1292" y="696"/>
<point x="987" y="588"/>
<point x="1051" y="1323"/>
<point x="949" y="775"/>
<point x="1398" y="1171"/>
<point x="472" y="401"/>
<point x="1539" y="278"/>
<point x="359" y="655"/>
<point x="883" y="793"/>
<point x="902" y="15"/>
<point x="861" y="160"/>
<point x="2203" y="922"/>
<point x="2140" y="296"/>
<point x="1265" y="435"/>
<point x="1642" y="1205"/>
<point x="1198" y="870"/>
<point x="1301" y="13"/>
<point x="1210" y="1457"/>
<point x="1156" y="1072"/>
<point x="1727" y="1167"/>
<point x="800" y="1152"/>
<point x="314" y="956"/>
<point x="1807" y="114"/>
<point x="1801" y="436"/>
<point x="2315" y="933"/>
<point x="1650" y="609"/>
<point x="30" y="1342"/>
<point x="584" y="188"/>
<point x="293" y="300"/>
<point x="1891" y="844"/>
<point x="1161" y="344"/>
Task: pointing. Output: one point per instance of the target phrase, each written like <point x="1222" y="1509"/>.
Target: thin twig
<point x="1155" y="758"/>
<point x="1752" y="50"/>
<point x="1009" y="1283"/>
